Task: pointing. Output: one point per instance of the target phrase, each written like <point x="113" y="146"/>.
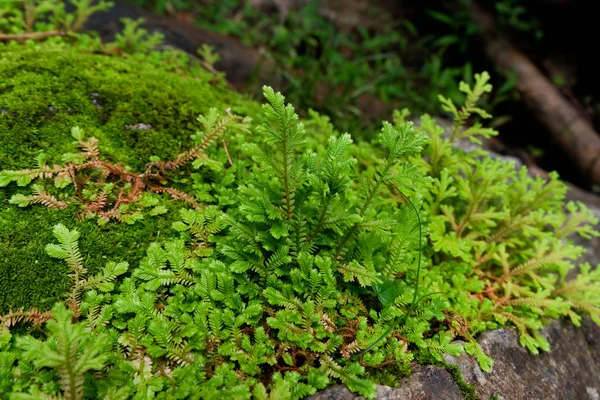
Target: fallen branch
<point x="31" y="35"/>
<point x="570" y="129"/>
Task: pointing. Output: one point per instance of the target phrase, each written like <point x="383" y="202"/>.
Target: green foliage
<point x="514" y="15"/>
<point x="48" y="88"/>
<point x="262" y="294"/>
<point x="334" y="69"/>
<point x="47" y="20"/>
<point x="134" y="39"/>
<point x="26" y="16"/>
<point x="113" y="191"/>
<point x="307" y="267"/>
<point x="506" y="232"/>
<point x="68" y="250"/>
<point x="310" y="258"/>
<point x="71" y="351"/>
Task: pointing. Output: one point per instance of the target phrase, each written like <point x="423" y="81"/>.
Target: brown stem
<point x="227" y="151"/>
<point x="319" y="224"/>
<point x="32" y="35"/>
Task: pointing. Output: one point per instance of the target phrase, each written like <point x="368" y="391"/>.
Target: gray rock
<point x="425" y="383"/>
<point x="568" y="371"/>
<point x="341" y="392"/>
<point x="592" y="335"/>
<point x="96" y="100"/>
<point x="139" y="127"/>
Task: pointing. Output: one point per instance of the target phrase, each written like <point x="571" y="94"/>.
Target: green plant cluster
<point x="19" y="16"/>
<point x="311" y="257"/>
<point x="315" y="260"/>
<point x="140" y="111"/>
<point x="28" y="20"/>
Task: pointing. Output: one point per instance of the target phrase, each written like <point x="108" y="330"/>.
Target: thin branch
<point x="33" y="35"/>
<point x="227" y="151"/>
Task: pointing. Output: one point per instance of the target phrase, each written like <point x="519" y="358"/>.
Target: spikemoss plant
<point x="306" y="259"/>
<point x="139" y="113"/>
<point x="502" y="235"/>
<point x="314" y="260"/>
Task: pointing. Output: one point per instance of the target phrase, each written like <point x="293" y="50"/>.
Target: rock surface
<point x="568" y="371"/>
<point x="425" y="383"/>
<point x="592" y="336"/>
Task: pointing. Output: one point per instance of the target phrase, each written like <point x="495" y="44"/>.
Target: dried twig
<point x="227" y="151"/>
<point x="33" y="35"/>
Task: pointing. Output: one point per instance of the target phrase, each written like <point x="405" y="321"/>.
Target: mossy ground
<point x="44" y="92"/>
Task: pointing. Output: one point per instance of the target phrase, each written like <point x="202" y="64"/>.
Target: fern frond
<point x="33" y="316"/>
<point x="580" y="219"/>
<point x="180" y="354"/>
<point x="75" y="352"/>
<point x="26" y="176"/>
<point x="355" y="271"/>
<point x="460" y="116"/>
<point x="40" y="196"/>
<point x="104" y="280"/>
<point x="283" y="130"/>
<point x="68" y="247"/>
<point x="583" y="293"/>
<point x="350" y="348"/>
<point x="177" y="195"/>
<point x="277" y="298"/>
<point x="545" y="256"/>
<point x="90" y="149"/>
<point x="279" y="258"/>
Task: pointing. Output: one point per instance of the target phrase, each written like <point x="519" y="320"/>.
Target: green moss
<point x="391" y="375"/>
<point x="467" y="390"/>
<point x="43" y="93"/>
<point x="30" y="277"/>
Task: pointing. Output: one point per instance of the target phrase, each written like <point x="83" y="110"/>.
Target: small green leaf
<point x="386" y="291"/>
<point x="180" y="226"/>
<point x="77" y="133"/>
<point x="20" y="200"/>
<point x="158" y="210"/>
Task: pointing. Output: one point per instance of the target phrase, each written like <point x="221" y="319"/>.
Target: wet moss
<point x="45" y="91"/>
<point x="467" y="390"/>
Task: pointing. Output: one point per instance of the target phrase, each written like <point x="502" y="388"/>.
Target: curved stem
<point x="416" y="299"/>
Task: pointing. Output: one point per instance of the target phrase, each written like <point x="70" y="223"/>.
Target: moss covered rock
<point x="136" y="109"/>
<point x="314" y="252"/>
